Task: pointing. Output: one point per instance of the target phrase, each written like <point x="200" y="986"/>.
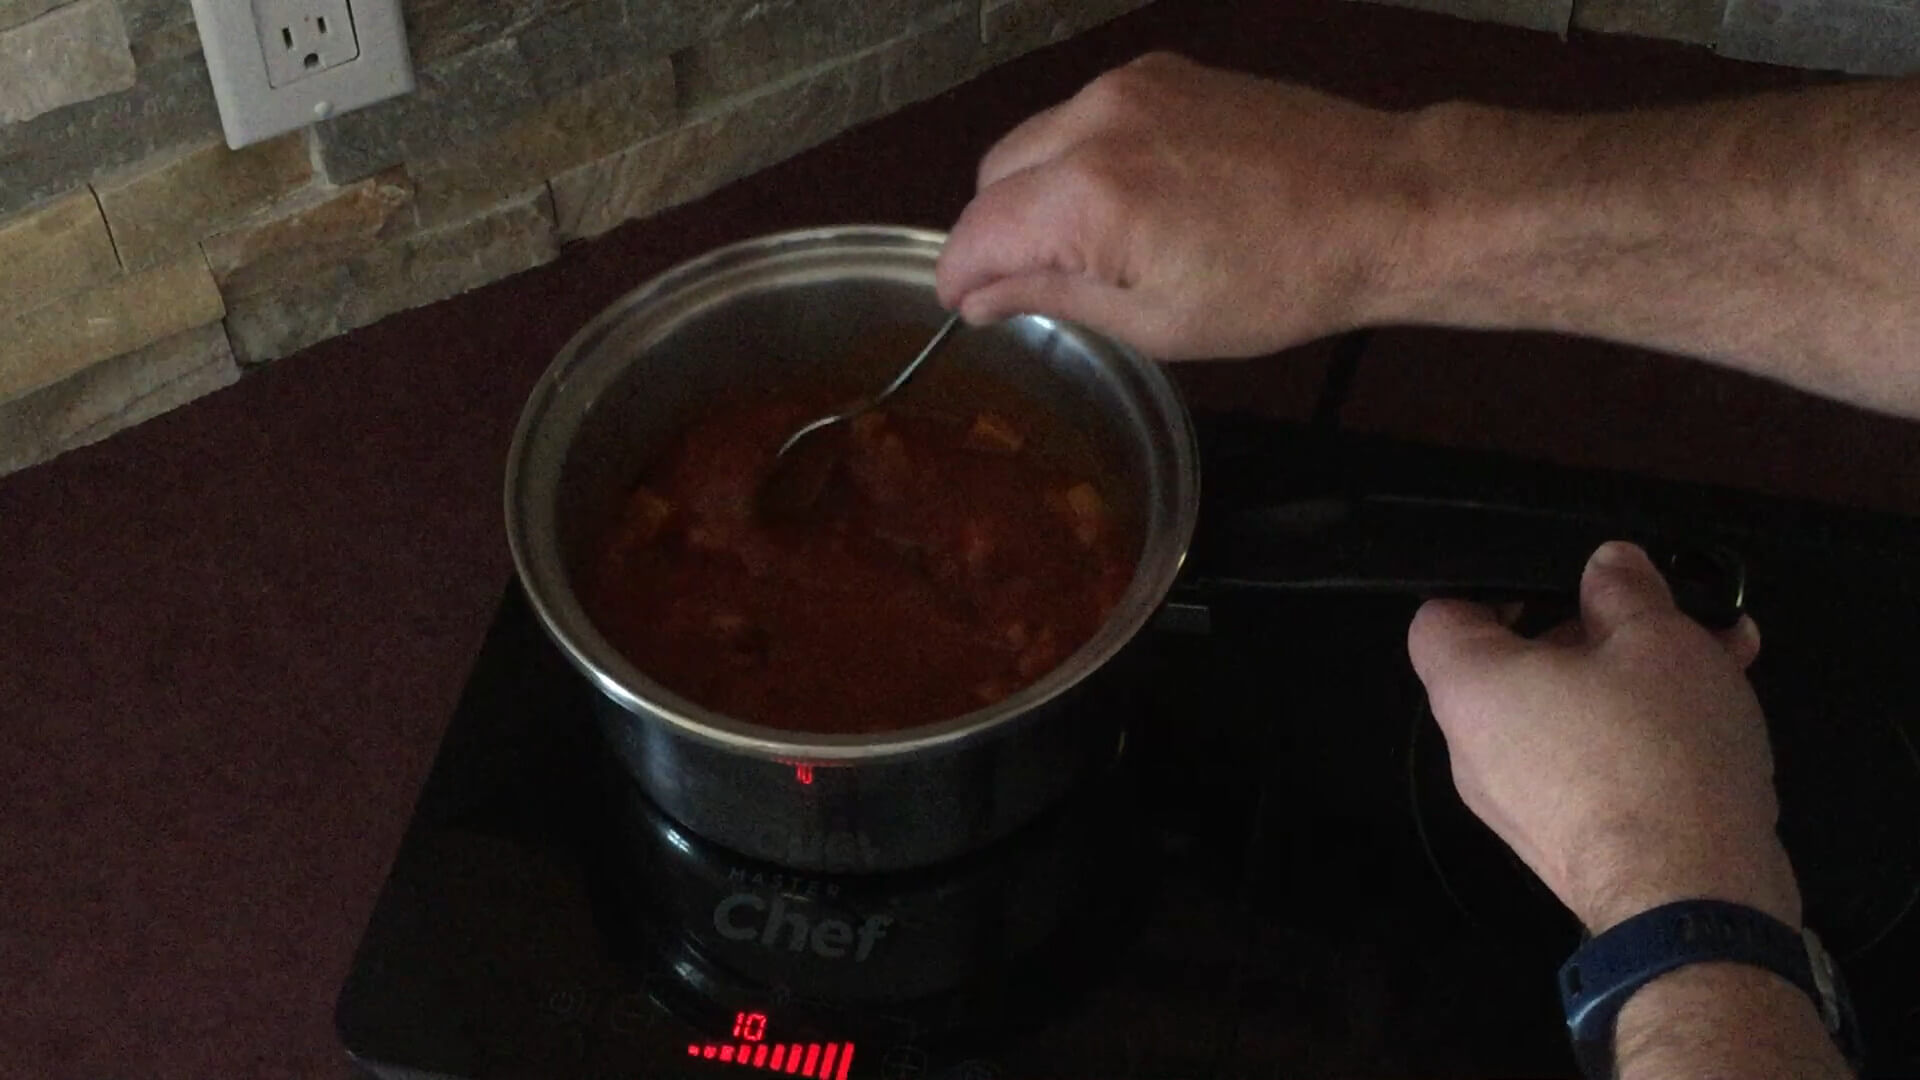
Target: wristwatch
<point x="1603" y="973"/>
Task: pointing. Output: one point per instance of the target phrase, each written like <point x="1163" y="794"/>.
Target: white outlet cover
<point x="252" y="109"/>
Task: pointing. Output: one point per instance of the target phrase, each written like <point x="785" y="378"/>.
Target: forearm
<point x="1778" y="234"/>
<point x="1730" y="1021"/>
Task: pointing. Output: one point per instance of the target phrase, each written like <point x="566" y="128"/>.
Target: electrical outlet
<point x="303" y="37"/>
<point x="278" y="65"/>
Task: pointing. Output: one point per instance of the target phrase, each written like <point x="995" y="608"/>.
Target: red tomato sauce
<point x="942" y="567"/>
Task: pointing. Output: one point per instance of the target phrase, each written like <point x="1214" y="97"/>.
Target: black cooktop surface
<point x="1275" y="880"/>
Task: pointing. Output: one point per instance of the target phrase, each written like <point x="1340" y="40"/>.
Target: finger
<point x="1451" y="637"/>
<point x="1620" y="584"/>
<point x="1074" y="297"/>
<point x="1040" y="138"/>
<point x="1026" y="223"/>
<point x="1741" y="640"/>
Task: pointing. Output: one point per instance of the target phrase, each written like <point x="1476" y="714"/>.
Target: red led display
<point x="816" y="1061"/>
<point x="803" y="773"/>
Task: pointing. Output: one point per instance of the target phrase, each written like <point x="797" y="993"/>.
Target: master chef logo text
<point x="745" y="916"/>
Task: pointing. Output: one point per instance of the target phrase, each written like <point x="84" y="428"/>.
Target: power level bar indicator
<point x="815" y="1061"/>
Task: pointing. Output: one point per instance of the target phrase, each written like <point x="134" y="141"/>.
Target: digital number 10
<point x="750" y="1026"/>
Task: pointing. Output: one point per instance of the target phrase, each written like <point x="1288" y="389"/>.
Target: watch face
<point x="1836" y="1003"/>
<point x="1825" y="976"/>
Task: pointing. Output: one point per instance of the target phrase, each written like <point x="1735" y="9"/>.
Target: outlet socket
<point x="299" y="38"/>
<point x="278" y="65"/>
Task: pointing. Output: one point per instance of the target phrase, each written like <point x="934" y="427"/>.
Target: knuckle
<point x="1095" y="182"/>
<point x="1123" y="93"/>
<point x="1107" y="98"/>
<point x="1157" y="62"/>
<point x="1126" y="95"/>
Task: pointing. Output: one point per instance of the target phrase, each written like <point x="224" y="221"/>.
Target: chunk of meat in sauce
<point x="1086" y="511"/>
<point x="943" y="568"/>
<point x="642" y="518"/>
<point x="994" y="435"/>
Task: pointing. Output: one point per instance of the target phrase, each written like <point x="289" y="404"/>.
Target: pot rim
<point x="565" y="622"/>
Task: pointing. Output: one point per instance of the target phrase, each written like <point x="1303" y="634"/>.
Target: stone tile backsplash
<point x="1868" y="37"/>
<point x="143" y="264"/>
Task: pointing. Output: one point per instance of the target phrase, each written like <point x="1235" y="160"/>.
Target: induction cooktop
<point x="1274" y="878"/>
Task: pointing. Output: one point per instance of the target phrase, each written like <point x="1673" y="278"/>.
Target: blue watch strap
<point x="1603" y="973"/>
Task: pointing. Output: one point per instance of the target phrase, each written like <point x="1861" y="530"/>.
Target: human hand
<point x="1187" y="211"/>
<point x="1623" y="757"/>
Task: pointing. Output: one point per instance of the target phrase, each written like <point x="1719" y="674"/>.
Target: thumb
<point x="1451" y="638"/>
<point x="1620" y="584"/>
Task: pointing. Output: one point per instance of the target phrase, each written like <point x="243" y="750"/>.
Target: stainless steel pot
<point x="795" y="308"/>
<point x="789" y="308"/>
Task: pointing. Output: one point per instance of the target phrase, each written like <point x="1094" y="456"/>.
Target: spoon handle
<point x="907" y="373"/>
<point x="905" y="376"/>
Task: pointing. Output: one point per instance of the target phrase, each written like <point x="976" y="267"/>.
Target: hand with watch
<point x="1624" y="758"/>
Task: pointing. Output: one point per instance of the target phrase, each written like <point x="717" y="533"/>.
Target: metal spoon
<point x="796" y="477"/>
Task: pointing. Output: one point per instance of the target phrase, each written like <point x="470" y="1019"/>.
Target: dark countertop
<point x="232" y="636"/>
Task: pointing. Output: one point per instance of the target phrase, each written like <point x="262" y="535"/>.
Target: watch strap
<point x="1603" y="973"/>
